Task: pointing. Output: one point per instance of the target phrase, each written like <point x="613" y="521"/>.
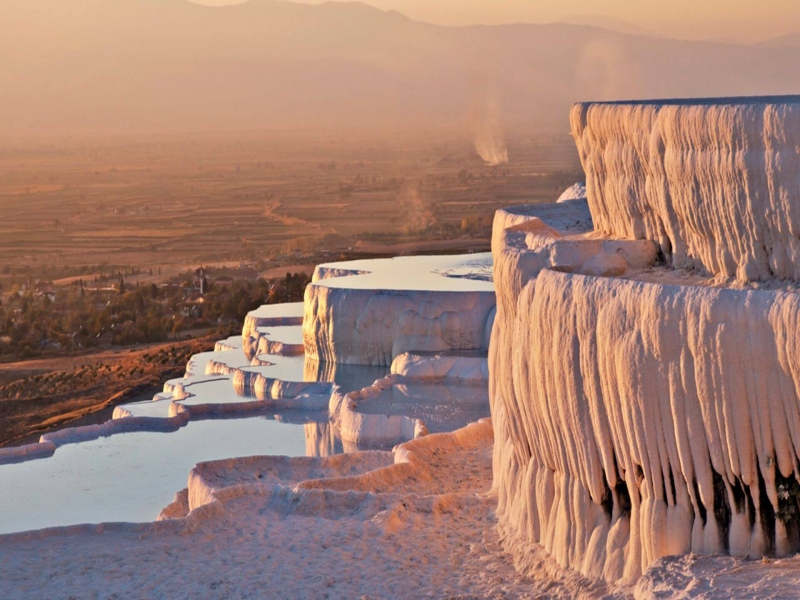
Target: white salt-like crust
<point x="209" y="480"/>
<point x="412" y="524"/>
<point x="448" y="367"/>
<point x="178" y="508"/>
<point x="15" y="454"/>
<point x="635" y="419"/>
<point x="268" y="341"/>
<point x="371" y="327"/>
<point x="368" y="312"/>
<point x="715" y="183"/>
<point x="644" y="412"/>
<point x="229" y="344"/>
<point x="401" y="407"/>
<point x="269" y="315"/>
<point x="576" y="191"/>
<point x="49" y="442"/>
<point x="362" y="429"/>
<point x="719" y="578"/>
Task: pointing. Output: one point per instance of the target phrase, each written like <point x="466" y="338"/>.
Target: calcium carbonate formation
<point x="643" y="363"/>
<point x="645" y="390"/>
<point x="714" y="182"/>
<point x="369" y="312"/>
<point x="390" y="351"/>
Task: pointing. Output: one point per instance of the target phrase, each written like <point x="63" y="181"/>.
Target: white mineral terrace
<point x="644" y="403"/>
<point x="252" y="395"/>
<point x="465" y="273"/>
<point x="643" y="378"/>
<point x="391" y="306"/>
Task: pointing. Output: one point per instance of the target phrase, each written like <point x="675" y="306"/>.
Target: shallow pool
<point x="132" y="476"/>
<point x="464" y="273"/>
<point x="443" y="407"/>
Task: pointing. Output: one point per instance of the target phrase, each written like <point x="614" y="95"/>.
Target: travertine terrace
<point x="431" y="314"/>
<point x="379" y="483"/>
<point x="383" y="308"/>
<point x="713" y="182"/>
<point x="645" y="371"/>
<point x="644" y="385"/>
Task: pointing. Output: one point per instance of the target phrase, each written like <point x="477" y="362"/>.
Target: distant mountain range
<point x="74" y="65"/>
<point x="610" y="23"/>
<point x="793" y="39"/>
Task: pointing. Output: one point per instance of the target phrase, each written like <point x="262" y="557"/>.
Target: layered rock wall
<point x="645" y="420"/>
<point x="368" y="312"/>
<point x="371" y="327"/>
<point x="647" y="403"/>
<point x="716" y="183"/>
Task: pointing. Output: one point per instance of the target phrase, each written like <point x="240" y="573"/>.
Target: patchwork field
<point x="80" y="207"/>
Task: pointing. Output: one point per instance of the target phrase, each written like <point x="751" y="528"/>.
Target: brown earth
<point x="43" y="395"/>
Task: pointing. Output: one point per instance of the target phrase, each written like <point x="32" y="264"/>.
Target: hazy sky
<point x="160" y="65"/>
<point x="743" y="20"/>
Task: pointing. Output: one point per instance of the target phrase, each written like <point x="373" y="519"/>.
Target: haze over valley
<point x="171" y="65"/>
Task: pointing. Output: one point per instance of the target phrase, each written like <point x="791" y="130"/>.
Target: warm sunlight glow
<point x="733" y="20"/>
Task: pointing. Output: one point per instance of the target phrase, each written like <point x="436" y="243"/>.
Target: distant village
<point x="38" y="317"/>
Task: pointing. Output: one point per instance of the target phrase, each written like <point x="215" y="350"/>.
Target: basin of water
<point x="131" y="476"/>
<point x="443" y="407"/>
<point x="467" y="273"/>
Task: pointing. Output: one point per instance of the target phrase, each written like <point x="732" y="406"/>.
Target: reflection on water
<point x="132" y="476"/>
<point x="348" y="377"/>
<point x="287" y="334"/>
<point x="323" y="440"/>
<point x="443" y="407"/>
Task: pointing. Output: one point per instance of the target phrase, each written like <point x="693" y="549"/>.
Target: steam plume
<point x="489" y="140"/>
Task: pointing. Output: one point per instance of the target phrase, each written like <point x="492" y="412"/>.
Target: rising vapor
<point x="489" y="142"/>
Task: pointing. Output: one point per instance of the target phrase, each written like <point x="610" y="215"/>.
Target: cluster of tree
<point x="475" y="223"/>
<point x="119" y="275"/>
<point x="74" y="317"/>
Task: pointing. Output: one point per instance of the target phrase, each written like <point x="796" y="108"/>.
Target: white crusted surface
<point x="715" y="184"/>
<point x="720" y="578"/>
<point x="419" y="528"/>
<point x="367" y="312"/>
<point x="430" y="303"/>
<point x="451" y="367"/>
<point x="229" y="344"/>
<point x="268" y="315"/>
<point x="650" y="386"/>
<point x="576" y="191"/>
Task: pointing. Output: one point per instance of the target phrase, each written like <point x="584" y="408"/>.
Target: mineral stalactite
<point x="646" y="398"/>
<point x="715" y="183"/>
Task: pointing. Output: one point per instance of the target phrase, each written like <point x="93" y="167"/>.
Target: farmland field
<point x="72" y="206"/>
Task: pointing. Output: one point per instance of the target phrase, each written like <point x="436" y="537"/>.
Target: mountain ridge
<point x="175" y="65"/>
